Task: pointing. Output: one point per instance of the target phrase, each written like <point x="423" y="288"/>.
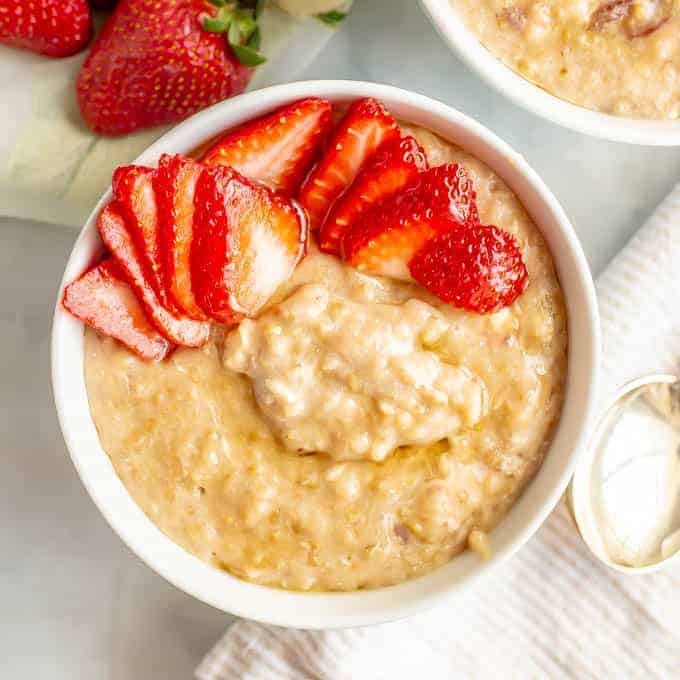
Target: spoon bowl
<point x="625" y="495"/>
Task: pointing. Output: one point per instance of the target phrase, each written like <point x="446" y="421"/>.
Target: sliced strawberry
<point x="384" y="238"/>
<point x="180" y="330"/>
<point x="389" y="169"/>
<point x="102" y="299"/>
<point x="278" y="149"/>
<point x="365" y="127"/>
<point x="477" y="268"/>
<point x="134" y="193"/>
<point x="247" y="242"/>
<point x="175" y="187"/>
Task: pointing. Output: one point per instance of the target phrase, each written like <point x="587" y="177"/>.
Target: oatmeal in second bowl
<point x="331" y="353"/>
<point x="605" y="67"/>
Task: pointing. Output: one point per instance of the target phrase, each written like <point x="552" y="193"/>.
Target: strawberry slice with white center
<point x="247" y="242"/>
<point x="103" y="300"/>
<point x="384" y="238"/>
<point x="134" y="193"/>
<point x="181" y="330"/>
<point x="389" y="169"/>
<point x="175" y="187"/>
<point x="279" y="149"/>
<point x="365" y="127"/>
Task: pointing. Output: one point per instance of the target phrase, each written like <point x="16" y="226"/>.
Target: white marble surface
<point x="74" y="602"/>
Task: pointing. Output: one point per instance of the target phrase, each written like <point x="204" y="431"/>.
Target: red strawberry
<point x="133" y="191"/>
<point x="278" y="149"/>
<point x="116" y="236"/>
<point x="247" y="242"/>
<point x="365" y="127"/>
<point x="476" y="268"/>
<point x="175" y="186"/>
<point x="56" y="28"/>
<point x="384" y="239"/>
<point x="153" y="63"/>
<point x="103" y="300"/>
<point x="392" y="166"/>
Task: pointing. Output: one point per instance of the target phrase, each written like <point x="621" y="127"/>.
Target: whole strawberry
<point x="154" y="63"/>
<point x="478" y="268"/>
<point x="56" y="28"/>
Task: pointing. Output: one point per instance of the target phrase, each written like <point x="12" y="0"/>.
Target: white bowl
<point x="533" y="98"/>
<point x="329" y="610"/>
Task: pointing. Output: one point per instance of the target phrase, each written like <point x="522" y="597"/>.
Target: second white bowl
<point x="533" y="98"/>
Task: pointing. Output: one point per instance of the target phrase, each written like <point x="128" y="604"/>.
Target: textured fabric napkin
<point x="552" y="611"/>
<point x="53" y="169"/>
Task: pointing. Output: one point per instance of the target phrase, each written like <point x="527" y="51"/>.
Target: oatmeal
<point x="358" y="433"/>
<point x="614" y="56"/>
<point x="362" y="383"/>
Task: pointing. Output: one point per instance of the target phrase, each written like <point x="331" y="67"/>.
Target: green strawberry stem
<point x="238" y="20"/>
<point x="335" y="17"/>
<point x="332" y="18"/>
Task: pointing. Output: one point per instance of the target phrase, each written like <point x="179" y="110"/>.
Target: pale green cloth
<point x="53" y="169"/>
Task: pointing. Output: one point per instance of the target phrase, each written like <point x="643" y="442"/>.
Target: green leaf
<point x="248" y="56"/>
<point x="234" y="35"/>
<point x="256" y="5"/>
<point x="246" y="22"/>
<point x="221" y="21"/>
<point x="255" y="39"/>
<point x="215" y="24"/>
<point x="332" y="18"/>
<point x="238" y="19"/>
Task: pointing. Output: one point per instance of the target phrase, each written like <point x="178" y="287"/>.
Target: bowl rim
<point x="337" y="610"/>
<point x="524" y="93"/>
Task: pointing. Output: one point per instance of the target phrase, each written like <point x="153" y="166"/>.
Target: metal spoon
<point x="625" y="494"/>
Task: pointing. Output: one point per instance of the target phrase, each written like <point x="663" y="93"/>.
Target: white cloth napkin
<point x="53" y="169"/>
<point x="552" y="611"/>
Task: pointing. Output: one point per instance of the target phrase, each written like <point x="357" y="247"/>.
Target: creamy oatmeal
<point x="617" y="56"/>
<point x="360" y="432"/>
<point x="364" y="380"/>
